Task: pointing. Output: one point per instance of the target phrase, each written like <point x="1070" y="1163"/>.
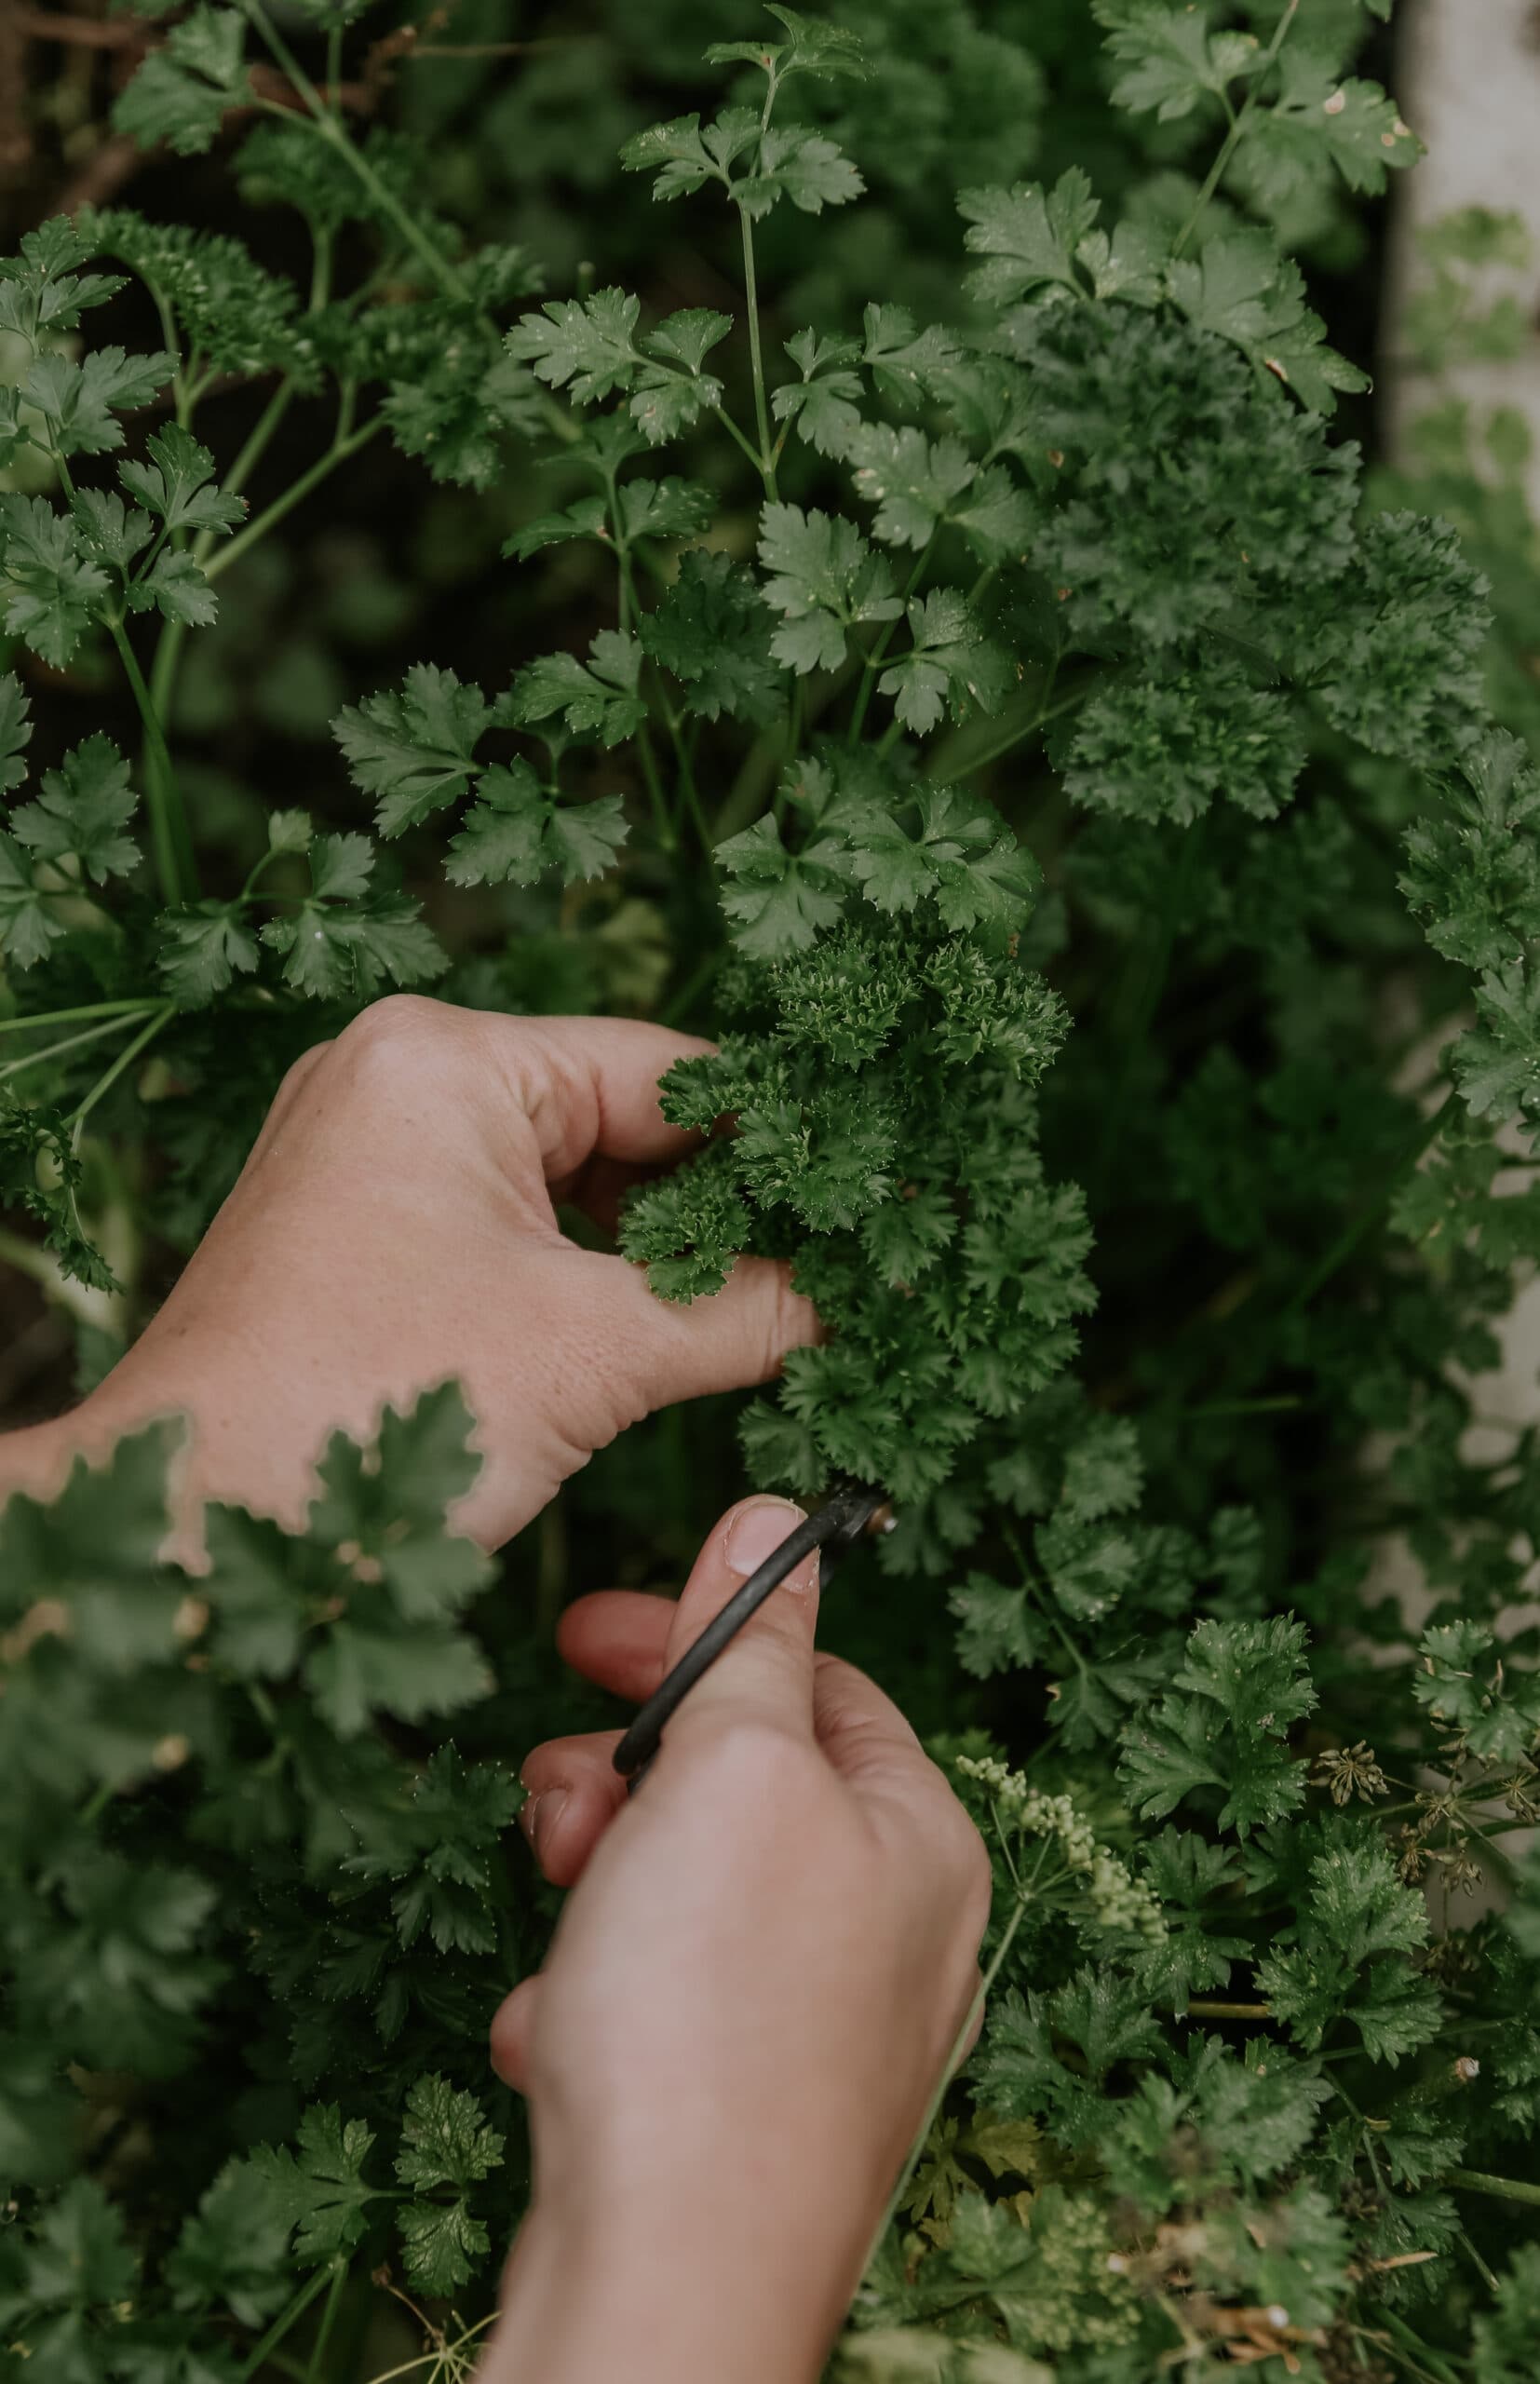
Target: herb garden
<point x="891" y="582"/>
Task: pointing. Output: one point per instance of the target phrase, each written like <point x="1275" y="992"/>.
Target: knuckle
<point x="397" y="1038"/>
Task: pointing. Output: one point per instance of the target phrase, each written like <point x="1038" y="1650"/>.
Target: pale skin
<point x="767" y="1954"/>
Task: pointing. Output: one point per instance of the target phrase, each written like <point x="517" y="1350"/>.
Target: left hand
<point x="396" y="1225"/>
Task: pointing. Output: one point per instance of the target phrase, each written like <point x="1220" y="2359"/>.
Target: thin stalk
<point x="1479" y="2181"/>
<point x="949" y="2070"/>
<point x="329" y="128"/>
<point x="1477" y="2262"/>
<point x="68" y="1017"/>
<point x="288" y="2317"/>
<point x="71" y="1043"/>
<point x="873" y="662"/>
<point x="1202" y="2008"/>
<point x="124" y="1060"/>
<point x="756" y="359"/>
<point x="734" y="432"/>
<point x="314" y="2369"/>
<point x="294" y="495"/>
<point x="1237" y="124"/>
<point x="1437" y="2366"/>
<point x="170" y="841"/>
<point x="1019" y="735"/>
<point x="1342" y="1250"/>
<point x="662" y="816"/>
<point x="1281" y="1406"/>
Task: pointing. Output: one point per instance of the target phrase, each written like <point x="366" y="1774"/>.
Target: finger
<point x="862" y="1733"/>
<point x="588" y="1088"/>
<point x="664" y="1351"/>
<point x="616" y="1639"/>
<point x="512" y="2025"/>
<point x="765" y="1674"/>
<point x="574" y="1792"/>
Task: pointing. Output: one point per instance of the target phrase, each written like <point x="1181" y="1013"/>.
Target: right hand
<point x="749" y="1999"/>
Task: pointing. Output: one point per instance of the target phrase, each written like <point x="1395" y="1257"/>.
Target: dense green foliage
<point x="1089" y="815"/>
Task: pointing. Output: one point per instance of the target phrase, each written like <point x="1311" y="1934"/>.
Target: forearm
<point x="658" y="2297"/>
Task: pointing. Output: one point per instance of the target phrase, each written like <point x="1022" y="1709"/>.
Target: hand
<point x="750" y="1998"/>
<point x="396" y="1225"/>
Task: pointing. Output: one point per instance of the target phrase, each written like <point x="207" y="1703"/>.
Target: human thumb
<point x="765" y="1673"/>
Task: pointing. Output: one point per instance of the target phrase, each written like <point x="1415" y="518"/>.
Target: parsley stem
<point x="766" y="459"/>
<point x="292" y="2311"/>
<point x="338" y="453"/>
<point x="314" y="2369"/>
<point x="68" y="1017"/>
<point x="71" y="1042"/>
<point x="734" y="432"/>
<point x="124" y="1060"/>
<point x="169" y="838"/>
<point x="1353" y="1233"/>
<point x="1237" y="126"/>
<point x="874" y="659"/>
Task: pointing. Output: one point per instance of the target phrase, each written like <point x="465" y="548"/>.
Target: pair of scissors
<point x="853" y="1508"/>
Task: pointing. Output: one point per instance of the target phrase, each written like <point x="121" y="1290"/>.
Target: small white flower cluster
<point x="1116" y="1898"/>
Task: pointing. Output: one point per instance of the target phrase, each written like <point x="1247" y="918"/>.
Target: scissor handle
<point x="838" y="1524"/>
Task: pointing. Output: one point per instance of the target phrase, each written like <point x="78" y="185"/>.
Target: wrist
<point x="663" y="2291"/>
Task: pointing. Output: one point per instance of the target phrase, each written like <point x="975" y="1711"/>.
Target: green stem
<point x="71" y="1042"/>
<point x="314" y="2369"/>
<point x="1237" y="126"/>
<point x="873" y="662"/>
<point x="734" y="432"/>
<point x="1341" y="1251"/>
<point x="1436" y="2366"/>
<point x="329" y="128"/>
<point x="124" y="1060"/>
<point x="1477" y="2181"/>
<point x="289" y="2316"/>
<point x="761" y="413"/>
<point x="68" y="1017"/>
<point x="175" y="866"/>
<point x="662" y="816"/>
<point x="1203" y="2008"/>
<point x="1019" y="735"/>
<point x="1280" y="1406"/>
<point x="294" y="495"/>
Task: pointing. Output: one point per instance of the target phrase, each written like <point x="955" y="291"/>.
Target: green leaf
<point x="587" y="346"/>
<point x="999" y="1631"/>
<point x="778" y="899"/>
<point x="951" y="666"/>
<point x="1241" y="288"/>
<point x="52" y="590"/>
<point x="823" y="403"/>
<point x="15" y="731"/>
<point x="81" y="813"/>
<point x="1030" y="236"/>
<point x="175" y="586"/>
<point x="79" y="403"/>
<point x="348" y="940"/>
<point x="809" y="169"/>
<point x="515" y="831"/>
<point x="599" y="696"/>
<point x="711" y="631"/>
<point x="824" y="579"/>
<point x="177" y="483"/>
<point x="1222" y="1727"/>
<point x="914" y="485"/>
<point x="445" y="2139"/>
<point x="183" y="92"/>
<point x="203" y="948"/>
<point x="413" y="750"/>
<point x="319" y="2189"/>
<point x="825" y="51"/>
<point x="1169" y="57"/>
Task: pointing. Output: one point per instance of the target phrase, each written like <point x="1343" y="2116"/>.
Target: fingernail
<point x="538" y="1816"/>
<point x="756" y="1532"/>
